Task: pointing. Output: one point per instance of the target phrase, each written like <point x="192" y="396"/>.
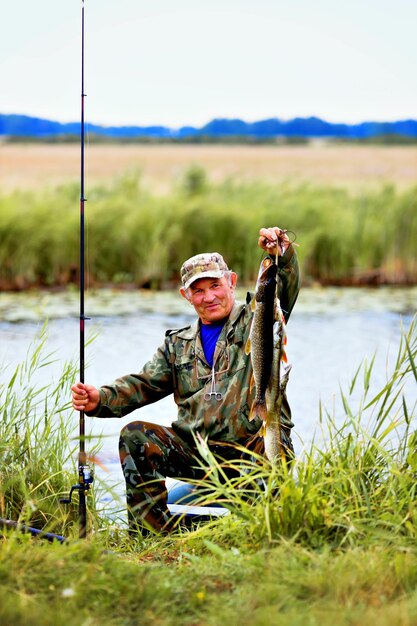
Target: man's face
<point x="212" y="298"/>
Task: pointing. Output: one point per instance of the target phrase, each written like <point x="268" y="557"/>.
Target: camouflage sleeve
<point x="290" y="279"/>
<point x="131" y="392"/>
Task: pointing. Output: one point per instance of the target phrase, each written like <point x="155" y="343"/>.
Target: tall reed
<point x="142" y="239"/>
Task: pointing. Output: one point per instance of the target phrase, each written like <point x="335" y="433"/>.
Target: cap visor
<point x="193" y="279"/>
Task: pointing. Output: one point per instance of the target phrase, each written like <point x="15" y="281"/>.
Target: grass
<point x="141" y="239"/>
<point x="286" y="585"/>
<point x="331" y="539"/>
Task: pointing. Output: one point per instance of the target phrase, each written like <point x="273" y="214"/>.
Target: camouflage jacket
<point x="179" y="367"/>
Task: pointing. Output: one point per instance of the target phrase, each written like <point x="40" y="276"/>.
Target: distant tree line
<point x="96" y="138"/>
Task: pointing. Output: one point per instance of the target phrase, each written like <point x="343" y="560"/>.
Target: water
<point x="330" y="332"/>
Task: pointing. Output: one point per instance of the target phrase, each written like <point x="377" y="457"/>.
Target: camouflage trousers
<point x="149" y="453"/>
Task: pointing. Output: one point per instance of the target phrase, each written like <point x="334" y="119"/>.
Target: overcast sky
<point x="177" y="62"/>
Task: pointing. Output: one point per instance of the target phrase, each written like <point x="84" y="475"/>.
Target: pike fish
<point x="266" y="346"/>
<point x="261" y="337"/>
<point x="275" y="391"/>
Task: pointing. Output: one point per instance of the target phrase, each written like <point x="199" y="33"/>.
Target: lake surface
<point x="330" y="332"/>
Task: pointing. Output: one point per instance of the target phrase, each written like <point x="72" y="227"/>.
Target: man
<point x="206" y="368"/>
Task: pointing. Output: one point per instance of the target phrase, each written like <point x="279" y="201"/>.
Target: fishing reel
<point x="86" y="479"/>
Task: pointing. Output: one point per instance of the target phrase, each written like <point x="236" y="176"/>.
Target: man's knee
<point x="132" y="427"/>
<point x="131" y="440"/>
<point x="135" y="434"/>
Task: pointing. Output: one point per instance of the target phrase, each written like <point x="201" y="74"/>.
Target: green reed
<point x="37" y="441"/>
<point x="143" y="239"/>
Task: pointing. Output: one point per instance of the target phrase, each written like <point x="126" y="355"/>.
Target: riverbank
<point x="196" y="582"/>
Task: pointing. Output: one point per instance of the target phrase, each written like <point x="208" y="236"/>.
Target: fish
<point x="271" y="427"/>
<point x="261" y="338"/>
<point x="266" y="345"/>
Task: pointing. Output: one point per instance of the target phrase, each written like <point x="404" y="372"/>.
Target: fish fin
<point x="262" y="430"/>
<point x="258" y="409"/>
<point x="286" y="369"/>
<point x="251" y="383"/>
<point x="253" y="305"/>
<point x="284" y="356"/>
<point x="248" y="346"/>
<point x="277" y="314"/>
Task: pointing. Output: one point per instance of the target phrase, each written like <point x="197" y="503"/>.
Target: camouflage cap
<point x="206" y="265"/>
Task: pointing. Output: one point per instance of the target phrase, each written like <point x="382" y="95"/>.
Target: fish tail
<point x="258" y="409"/>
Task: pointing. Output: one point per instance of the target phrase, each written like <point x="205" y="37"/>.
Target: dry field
<point x="33" y="166"/>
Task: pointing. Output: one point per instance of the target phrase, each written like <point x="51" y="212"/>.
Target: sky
<point x="185" y="62"/>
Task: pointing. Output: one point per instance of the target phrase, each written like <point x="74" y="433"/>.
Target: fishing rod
<point x="35" y="532"/>
<point x="85" y="475"/>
